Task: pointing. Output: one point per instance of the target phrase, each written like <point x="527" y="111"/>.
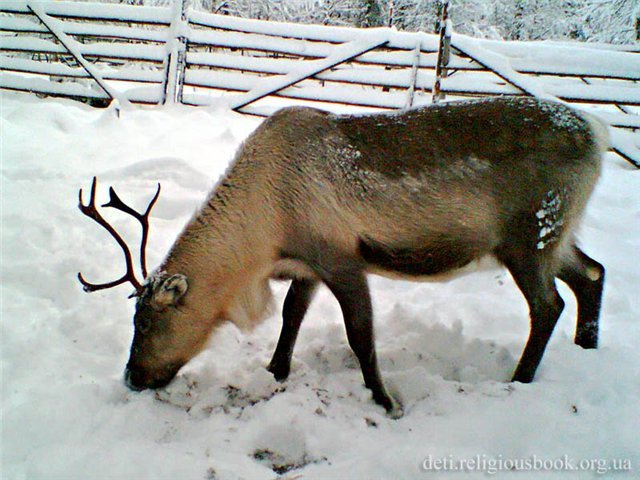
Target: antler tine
<point x="91" y="211"/>
<point x="87" y="209"/>
<point x="153" y="201"/>
<point x="92" y="287"/>
<point x="145" y="232"/>
<point x="115" y="202"/>
<point x="143" y="218"/>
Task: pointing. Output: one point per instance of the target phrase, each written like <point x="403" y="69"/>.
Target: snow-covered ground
<point x="446" y="349"/>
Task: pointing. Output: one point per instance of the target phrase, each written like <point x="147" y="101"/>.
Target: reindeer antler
<point x="143" y="218"/>
<point x="91" y="211"/>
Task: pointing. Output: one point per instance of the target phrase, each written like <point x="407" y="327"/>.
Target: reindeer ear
<point x="169" y="291"/>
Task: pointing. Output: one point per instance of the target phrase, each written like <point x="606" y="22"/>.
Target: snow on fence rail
<point x="98" y="52"/>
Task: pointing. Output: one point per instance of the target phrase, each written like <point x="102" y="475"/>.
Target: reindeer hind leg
<point x="531" y="274"/>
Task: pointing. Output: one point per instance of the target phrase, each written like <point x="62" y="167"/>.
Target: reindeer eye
<point x="142" y="323"/>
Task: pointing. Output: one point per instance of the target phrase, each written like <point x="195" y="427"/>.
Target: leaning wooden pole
<point x="341" y="54"/>
<point x="73" y="47"/>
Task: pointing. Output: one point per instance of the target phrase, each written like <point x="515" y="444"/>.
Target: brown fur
<point x="318" y="196"/>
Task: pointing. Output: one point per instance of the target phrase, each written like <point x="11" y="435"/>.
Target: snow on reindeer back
<point x="559" y="114"/>
<point x="562" y="116"/>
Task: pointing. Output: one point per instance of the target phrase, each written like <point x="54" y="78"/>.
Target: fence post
<point x="176" y="61"/>
<point x="414" y="74"/>
<point x="444" y="50"/>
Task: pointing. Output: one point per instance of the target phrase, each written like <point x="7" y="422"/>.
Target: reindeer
<point x="316" y="197"/>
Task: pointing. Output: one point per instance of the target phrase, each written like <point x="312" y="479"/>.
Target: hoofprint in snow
<point x="446" y="349"/>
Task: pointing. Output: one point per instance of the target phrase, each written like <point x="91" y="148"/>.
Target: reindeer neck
<point x="227" y="239"/>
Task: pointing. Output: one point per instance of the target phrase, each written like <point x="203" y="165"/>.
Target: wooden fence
<point x="100" y="52"/>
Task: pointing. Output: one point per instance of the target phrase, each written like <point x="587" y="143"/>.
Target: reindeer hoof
<point x="586" y="340"/>
<point x="523" y="377"/>
<point x="280" y="372"/>
<point x="395" y="411"/>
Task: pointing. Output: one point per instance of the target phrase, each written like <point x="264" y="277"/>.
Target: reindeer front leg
<point x="352" y="292"/>
<point x="295" y="306"/>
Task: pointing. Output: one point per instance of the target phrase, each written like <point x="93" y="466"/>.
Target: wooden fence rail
<point x="98" y="52"/>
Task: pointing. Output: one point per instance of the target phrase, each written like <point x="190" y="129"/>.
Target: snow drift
<point x="447" y="349"/>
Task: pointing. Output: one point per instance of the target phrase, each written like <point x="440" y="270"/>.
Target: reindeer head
<point x="166" y="333"/>
<point x="160" y="338"/>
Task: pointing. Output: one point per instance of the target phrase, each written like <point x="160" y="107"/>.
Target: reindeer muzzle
<point x="137" y="379"/>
